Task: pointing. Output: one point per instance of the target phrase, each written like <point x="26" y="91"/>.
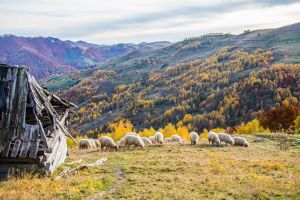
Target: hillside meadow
<point x="268" y="169"/>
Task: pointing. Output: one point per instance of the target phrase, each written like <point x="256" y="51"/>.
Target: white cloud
<point x="116" y="21"/>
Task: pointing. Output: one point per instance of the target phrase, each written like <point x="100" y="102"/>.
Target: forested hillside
<point x="284" y="43"/>
<point x="225" y="89"/>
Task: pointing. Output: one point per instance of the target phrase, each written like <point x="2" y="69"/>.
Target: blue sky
<point x="115" y="21"/>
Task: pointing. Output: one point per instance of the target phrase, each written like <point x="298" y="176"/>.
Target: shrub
<point x="169" y="130"/>
<point x="147" y="132"/>
<point x="281" y="118"/>
<point x="183" y="132"/>
<point x="119" y="129"/>
<point x="204" y="134"/>
<point x="251" y="127"/>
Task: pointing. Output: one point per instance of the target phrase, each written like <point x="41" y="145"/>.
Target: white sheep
<point x="118" y="143"/>
<point x="226" y="138"/>
<point x="131" y="133"/>
<point x="122" y="141"/>
<point x="134" y="140"/>
<point x="240" y="141"/>
<point x="92" y="143"/>
<point x="146" y="141"/>
<point x="159" y="137"/>
<point x="85" y="144"/>
<point x="176" y="138"/>
<point x="213" y="138"/>
<point x="152" y="139"/>
<point x="194" y="138"/>
<point x="168" y="140"/>
<point x="96" y="143"/>
<point x="108" y="143"/>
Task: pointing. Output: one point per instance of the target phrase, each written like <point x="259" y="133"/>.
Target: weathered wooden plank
<point x="54" y="148"/>
<point x="23" y="101"/>
<point x="15" y="148"/>
<point x="58" y="155"/>
<point x="13" y="97"/>
<point x="6" y="149"/>
<point x="61" y="158"/>
<point x="2" y="145"/>
<point x="62" y="127"/>
<point x="44" y="139"/>
<point x="35" y="141"/>
<point x="26" y="138"/>
<point x="19" y="101"/>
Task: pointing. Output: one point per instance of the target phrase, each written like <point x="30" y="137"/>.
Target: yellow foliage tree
<point x="179" y="124"/>
<point x="119" y="129"/>
<point x="251" y="128"/>
<point x="204" y="134"/>
<point x="169" y="130"/>
<point x="218" y="130"/>
<point x="187" y="117"/>
<point x="183" y="132"/>
<point x="147" y="132"/>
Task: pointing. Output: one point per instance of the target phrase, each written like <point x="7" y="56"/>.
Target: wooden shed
<point x="32" y="124"/>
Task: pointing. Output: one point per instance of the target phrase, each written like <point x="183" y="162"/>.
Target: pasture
<point x="174" y="171"/>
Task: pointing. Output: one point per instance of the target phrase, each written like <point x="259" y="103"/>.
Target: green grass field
<point x="173" y="171"/>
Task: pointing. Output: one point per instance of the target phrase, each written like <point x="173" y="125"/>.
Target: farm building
<point x="32" y="124"/>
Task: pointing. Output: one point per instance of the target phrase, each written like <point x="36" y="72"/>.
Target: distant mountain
<point x="46" y="56"/>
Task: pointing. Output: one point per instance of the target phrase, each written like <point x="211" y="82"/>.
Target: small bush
<point x="251" y="127"/>
<point x="280" y="119"/>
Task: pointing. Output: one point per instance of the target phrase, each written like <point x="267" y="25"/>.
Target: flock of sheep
<point x="133" y="139"/>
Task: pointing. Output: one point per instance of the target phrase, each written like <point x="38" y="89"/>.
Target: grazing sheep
<point x="108" y="143"/>
<point x="159" y="137"/>
<point x="152" y="139"/>
<point x="134" y="140"/>
<point x="176" y="138"/>
<point x="93" y="143"/>
<point x="122" y="141"/>
<point x="194" y="138"/>
<point x="213" y="138"/>
<point x="96" y="142"/>
<point x="226" y="138"/>
<point x="240" y="141"/>
<point x="146" y="141"/>
<point x="85" y="144"/>
<point x="131" y="133"/>
<point x="118" y="143"/>
<point x="168" y="140"/>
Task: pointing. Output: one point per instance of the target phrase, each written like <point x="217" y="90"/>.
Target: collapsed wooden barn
<point x="32" y="124"/>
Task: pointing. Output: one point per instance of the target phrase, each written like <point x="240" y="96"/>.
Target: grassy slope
<point x="261" y="171"/>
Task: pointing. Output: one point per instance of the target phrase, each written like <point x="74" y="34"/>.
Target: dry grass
<point x="262" y="171"/>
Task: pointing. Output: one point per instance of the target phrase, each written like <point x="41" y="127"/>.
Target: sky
<point x="124" y="21"/>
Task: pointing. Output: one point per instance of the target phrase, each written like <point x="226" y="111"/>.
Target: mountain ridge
<point x="48" y="55"/>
